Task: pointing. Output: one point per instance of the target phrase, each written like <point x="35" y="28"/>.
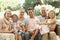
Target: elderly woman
<point x="5" y="22"/>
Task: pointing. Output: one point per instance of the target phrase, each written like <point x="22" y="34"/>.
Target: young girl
<point x="51" y="22"/>
<point x="15" y="26"/>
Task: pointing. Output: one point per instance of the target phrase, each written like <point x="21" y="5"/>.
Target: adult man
<point x="43" y="14"/>
<point x="32" y="22"/>
<point x="47" y="34"/>
<point x="42" y="19"/>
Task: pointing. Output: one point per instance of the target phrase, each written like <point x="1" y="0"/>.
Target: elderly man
<point x="46" y="33"/>
<point x="42" y="18"/>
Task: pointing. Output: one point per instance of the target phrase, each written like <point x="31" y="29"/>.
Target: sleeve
<point x="39" y="17"/>
<point x="26" y="21"/>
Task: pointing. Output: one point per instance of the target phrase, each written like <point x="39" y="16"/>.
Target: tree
<point x="11" y="4"/>
<point x="30" y="3"/>
<point x="55" y="3"/>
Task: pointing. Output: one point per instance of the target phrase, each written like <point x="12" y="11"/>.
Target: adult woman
<point x="52" y="24"/>
<point x="5" y="22"/>
<point x="23" y="23"/>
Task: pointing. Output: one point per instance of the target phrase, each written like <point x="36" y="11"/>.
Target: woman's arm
<point x="47" y="23"/>
<point x="41" y="23"/>
<point x="52" y="21"/>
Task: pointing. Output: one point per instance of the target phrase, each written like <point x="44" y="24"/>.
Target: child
<point x="51" y="22"/>
<point x="15" y="26"/>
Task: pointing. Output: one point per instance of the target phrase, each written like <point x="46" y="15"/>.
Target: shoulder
<point x="26" y="20"/>
<point x="39" y="16"/>
<point x="36" y="18"/>
<point x="18" y="22"/>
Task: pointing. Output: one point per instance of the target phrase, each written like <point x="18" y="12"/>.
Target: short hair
<point x="6" y="12"/>
<point x="30" y="8"/>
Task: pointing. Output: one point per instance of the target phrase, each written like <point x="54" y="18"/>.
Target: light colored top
<point x="32" y="24"/>
<point x="23" y="22"/>
<point x="44" y="28"/>
<point x="42" y="19"/>
<point x="4" y="24"/>
<point x="14" y="25"/>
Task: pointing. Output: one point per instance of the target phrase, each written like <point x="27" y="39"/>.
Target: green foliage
<point x="11" y="4"/>
<point x="31" y="3"/>
<point x="37" y="12"/>
<point x="55" y="3"/>
<point x="58" y="17"/>
<point x="28" y="3"/>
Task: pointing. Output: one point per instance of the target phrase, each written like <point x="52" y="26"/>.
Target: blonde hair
<point x="50" y="12"/>
<point x="22" y="9"/>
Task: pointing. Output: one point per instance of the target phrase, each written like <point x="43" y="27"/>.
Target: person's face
<point x="8" y="15"/>
<point x="30" y="13"/>
<point x="51" y="14"/>
<point x="22" y="13"/>
<point x="43" y="12"/>
<point x="15" y="18"/>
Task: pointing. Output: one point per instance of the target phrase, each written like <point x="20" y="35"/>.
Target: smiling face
<point x="7" y="14"/>
<point x="43" y="11"/>
<point x="22" y="11"/>
<point x="14" y="17"/>
<point x="51" y="14"/>
<point x="30" y="13"/>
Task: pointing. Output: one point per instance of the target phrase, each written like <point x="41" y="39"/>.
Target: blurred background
<point x="15" y="5"/>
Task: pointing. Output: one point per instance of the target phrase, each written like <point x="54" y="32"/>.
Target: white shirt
<point x="32" y="24"/>
<point x="44" y="28"/>
<point x="15" y="24"/>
